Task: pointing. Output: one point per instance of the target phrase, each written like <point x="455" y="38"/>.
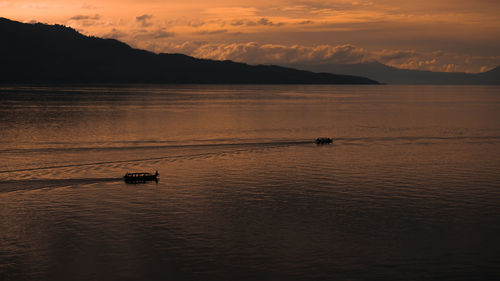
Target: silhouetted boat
<point x="323" y="140"/>
<point x="141" y="177"/>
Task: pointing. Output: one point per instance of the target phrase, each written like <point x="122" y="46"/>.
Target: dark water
<point x="409" y="190"/>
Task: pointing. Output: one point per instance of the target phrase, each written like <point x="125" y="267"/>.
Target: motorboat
<point x="141" y="177"/>
<point x="323" y="140"/>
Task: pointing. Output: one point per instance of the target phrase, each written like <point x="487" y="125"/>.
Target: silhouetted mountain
<point x="392" y="75"/>
<point x="40" y="53"/>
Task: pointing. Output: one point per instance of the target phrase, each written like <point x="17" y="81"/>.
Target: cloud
<point x="40" y="6"/>
<point x="85" y="17"/>
<point x="211" y="32"/>
<point x="265" y="21"/>
<point x="449" y="67"/>
<point x="115" y="34"/>
<point x="144" y="17"/>
<point x="149" y="37"/>
<point x="144" y="20"/>
<point x="159" y="34"/>
<point x="79" y="21"/>
<point x="484" y="68"/>
<point x="255" y="53"/>
<point x="87" y="6"/>
<point x="260" y="22"/>
<point x="387" y="55"/>
<point x="231" y="11"/>
<point x="196" y="23"/>
<point x="318" y="8"/>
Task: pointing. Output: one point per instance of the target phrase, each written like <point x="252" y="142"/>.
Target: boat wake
<point x="33" y="184"/>
<point x="138" y="146"/>
<point x="235" y="147"/>
<point x="175" y="152"/>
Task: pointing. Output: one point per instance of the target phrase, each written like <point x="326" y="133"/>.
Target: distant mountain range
<point x="40" y="53"/>
<point x="392" y="75"/>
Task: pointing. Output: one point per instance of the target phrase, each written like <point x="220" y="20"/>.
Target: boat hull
<point x="140" y="177"/>
<point x="323" y="140"/>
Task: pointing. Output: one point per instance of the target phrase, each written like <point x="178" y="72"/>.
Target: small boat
<point x="141" y="177"/>
<point x="323" y="140"/>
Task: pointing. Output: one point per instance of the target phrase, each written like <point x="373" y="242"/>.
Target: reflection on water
<point x="408" y="189"/>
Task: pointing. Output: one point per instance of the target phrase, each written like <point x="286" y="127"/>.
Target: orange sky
<point x="441" y="35"/>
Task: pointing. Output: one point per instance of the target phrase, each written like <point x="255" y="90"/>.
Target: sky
<point x="437" y="35"/>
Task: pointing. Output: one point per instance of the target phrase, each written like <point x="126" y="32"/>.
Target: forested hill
<point x="41" y="53"/>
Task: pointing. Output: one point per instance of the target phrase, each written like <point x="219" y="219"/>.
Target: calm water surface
<point x="409" y="190"/>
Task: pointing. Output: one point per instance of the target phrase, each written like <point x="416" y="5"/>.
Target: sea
<point x="408" y="190"/>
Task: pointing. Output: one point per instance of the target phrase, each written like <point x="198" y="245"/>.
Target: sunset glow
<point x="441" y="35"/>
